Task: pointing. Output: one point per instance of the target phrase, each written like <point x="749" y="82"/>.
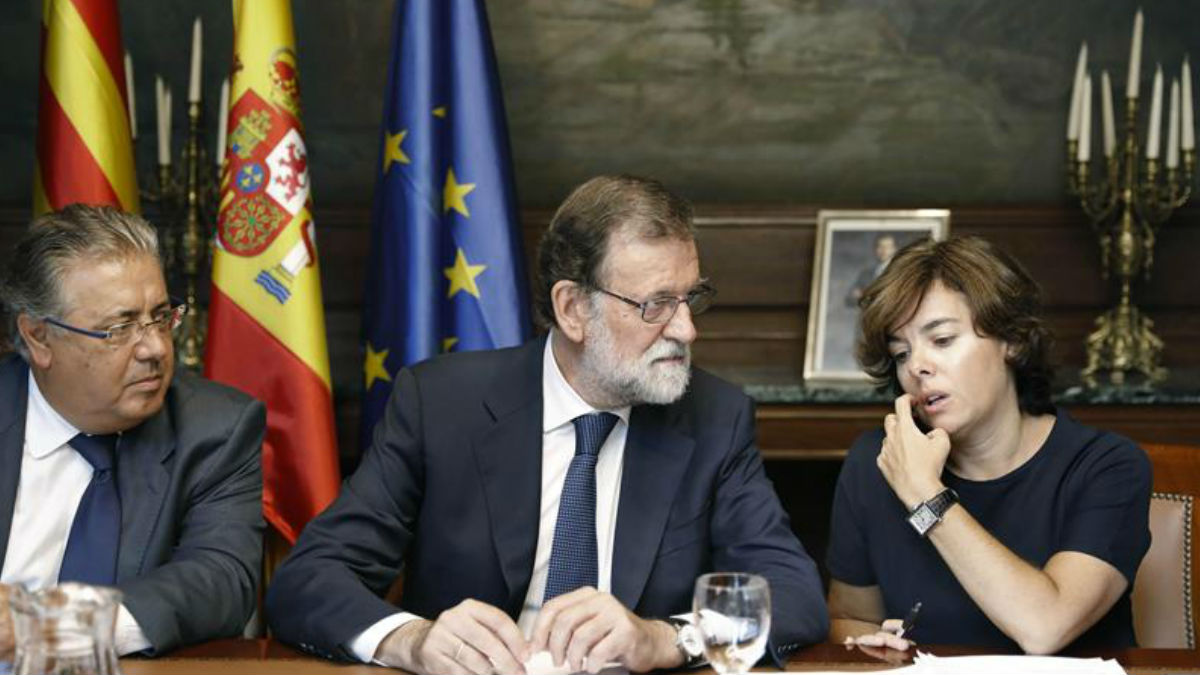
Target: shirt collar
<point x="560" y="402"/>
<point x="45" y="430"/>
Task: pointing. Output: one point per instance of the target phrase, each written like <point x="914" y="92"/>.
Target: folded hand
<point x="588" y="629"/>
<point x="471" y="638"/>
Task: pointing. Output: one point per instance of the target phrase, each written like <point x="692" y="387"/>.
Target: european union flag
<point x="446" y="269"/>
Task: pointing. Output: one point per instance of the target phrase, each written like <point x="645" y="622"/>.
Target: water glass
<point x="733" y="611"/>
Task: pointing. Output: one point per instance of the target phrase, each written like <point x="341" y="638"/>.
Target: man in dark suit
<point x="116" y="470"/>
<point x="885" y="248"/>
<point x="562" y="495"/>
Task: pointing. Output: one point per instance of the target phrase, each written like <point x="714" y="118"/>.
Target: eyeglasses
<point x="662" y="308"/>
<point x="164" y="323"/>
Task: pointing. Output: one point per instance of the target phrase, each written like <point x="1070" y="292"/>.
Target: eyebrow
<point x="126" y="315"/>
<point x="665" y="292"/>
<point x="929" y="326"/>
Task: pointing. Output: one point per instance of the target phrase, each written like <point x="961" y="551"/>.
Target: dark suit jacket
<point x="190" y="479"/>
<point x="451" y="487"/>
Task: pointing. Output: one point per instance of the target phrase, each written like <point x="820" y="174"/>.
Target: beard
<point x="634" y="381"/>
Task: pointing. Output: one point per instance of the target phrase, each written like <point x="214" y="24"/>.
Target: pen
<point x="910" y="620"/>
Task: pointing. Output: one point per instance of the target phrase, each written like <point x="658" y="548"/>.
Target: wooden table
<point x="266" y="657"/>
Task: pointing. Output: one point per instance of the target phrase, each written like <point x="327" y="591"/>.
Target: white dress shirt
<point x="560" y="404"/>
<point x="52" y="473"/>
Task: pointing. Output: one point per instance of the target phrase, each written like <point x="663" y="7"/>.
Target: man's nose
<point x="153" y="344"/>
<point x="680" y="327"/>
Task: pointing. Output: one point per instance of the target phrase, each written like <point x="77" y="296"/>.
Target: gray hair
<point x="575" y="245"/>
<point x="56" y="240"/>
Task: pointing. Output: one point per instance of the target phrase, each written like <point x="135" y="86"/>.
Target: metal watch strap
<point x="693" y="655"/>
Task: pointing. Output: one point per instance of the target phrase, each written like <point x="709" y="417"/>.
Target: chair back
<point x="1164" y="615"/>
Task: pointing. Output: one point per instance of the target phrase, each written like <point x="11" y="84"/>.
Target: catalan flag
<point x="446" y="270"/>
<point x="84" y="147"/>
<point x="266" y="328"/>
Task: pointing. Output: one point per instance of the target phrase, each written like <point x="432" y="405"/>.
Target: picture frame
<point x="852" y="248"/>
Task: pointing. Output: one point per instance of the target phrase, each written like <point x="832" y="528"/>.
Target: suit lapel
<point x="14" y="387"/>
<point x="657" y="455"/>
<point x="509" y="456"/>
<point x="142" y="480"/>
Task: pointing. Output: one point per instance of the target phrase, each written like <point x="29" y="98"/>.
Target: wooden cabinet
<point x="799" y="431"/>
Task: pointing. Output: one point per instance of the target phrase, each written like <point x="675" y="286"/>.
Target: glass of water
<point x="733" y="611"/>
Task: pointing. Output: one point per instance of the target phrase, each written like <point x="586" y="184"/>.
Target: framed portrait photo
<point x="852" y="249"/>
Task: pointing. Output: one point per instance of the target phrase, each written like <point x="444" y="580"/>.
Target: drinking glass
<point x="65" y="630"/>
<point x="733" y="611"/>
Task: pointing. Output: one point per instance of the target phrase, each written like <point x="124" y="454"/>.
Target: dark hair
<point x="1005" y="303"/>
<point x="576" y="243"/>
<point x="55" y="240"/>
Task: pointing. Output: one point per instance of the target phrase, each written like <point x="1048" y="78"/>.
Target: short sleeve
<point x="1109" y="517"/>
<point x="848" y="559"/>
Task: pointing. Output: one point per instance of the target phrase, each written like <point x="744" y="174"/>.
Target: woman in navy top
<point x="1012" y="524"/>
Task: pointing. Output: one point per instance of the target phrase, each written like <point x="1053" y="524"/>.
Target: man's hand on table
<point x="471" y="638"/>
<point x="589" y="630"/>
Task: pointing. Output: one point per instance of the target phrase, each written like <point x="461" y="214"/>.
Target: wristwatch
<point x="689" y="641"/>
<point x="929" y="513"/>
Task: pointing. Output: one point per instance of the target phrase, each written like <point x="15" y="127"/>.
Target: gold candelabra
<point x="1126" y="206"/>
<point x="186" y="193"/>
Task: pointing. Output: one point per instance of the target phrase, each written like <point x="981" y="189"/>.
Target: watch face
<point x="690" y="640"/>
<point x="922" y="519"/>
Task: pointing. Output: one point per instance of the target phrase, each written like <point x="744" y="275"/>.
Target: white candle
<point x="1187" y="139"/>
<point x="160" y="115"/>
<point x="1153" y="140"/>
<point x="222" y="122"/>
<point x="1076" y="91"/>
<point x="167" y="122"/>
<point x="1135" y="57"/>
<point x="1106" y="109"/>
<point x="129" y="97"/>
<point x="1085" y="121"/>
<point x="1173" y="127"/>
<point x="194" y="80"/>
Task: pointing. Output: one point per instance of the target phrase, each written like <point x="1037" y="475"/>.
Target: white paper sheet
<point x="542" y="663"/>
<point x="928" y="664"/>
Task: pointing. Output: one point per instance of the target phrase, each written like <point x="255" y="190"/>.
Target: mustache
<point x="155" y="368"/>
<point x="667" y="348"/>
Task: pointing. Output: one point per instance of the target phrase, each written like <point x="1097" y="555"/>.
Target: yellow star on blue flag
<point x="462" y="275"/>
<point x="375" y="366"/>
<point x="392" y="150"/>
<point x="454" y="194"/>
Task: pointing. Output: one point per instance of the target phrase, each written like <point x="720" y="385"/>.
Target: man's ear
<point x="571" y="310"/>
<point x="33" y="333"/>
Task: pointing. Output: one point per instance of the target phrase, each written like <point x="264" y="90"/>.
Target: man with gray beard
<point x="563" y="495"/>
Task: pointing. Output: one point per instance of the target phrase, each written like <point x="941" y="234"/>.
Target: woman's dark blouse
<point x="1085" y="490"/>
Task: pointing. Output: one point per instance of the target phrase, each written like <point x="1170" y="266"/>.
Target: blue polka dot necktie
<point x="91" y="555"/>
<point x="573" y="555"/>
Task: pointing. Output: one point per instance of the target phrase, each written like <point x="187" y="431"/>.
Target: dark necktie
<point x="91" y="555"/>
<point x="573" y="555"/>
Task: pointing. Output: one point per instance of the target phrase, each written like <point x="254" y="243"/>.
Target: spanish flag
<point x="266" y="329"/>
<point x="84" y="147"/>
